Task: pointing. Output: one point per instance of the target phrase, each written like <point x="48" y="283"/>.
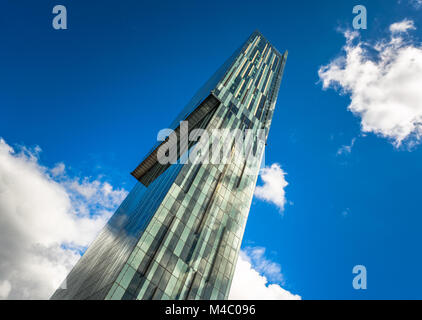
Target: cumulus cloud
<point x="47" y="218"/>
<point x="266" y="267"/>
<point x="249" y="284"/>
<point x="272" y="190"/>
<point x="384" y="82"/>
<point x="402" y="26"/>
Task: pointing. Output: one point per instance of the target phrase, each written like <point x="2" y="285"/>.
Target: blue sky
<point x="94" y="96"/>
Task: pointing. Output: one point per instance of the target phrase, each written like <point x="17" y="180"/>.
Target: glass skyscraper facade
<point x="178" y="233"/>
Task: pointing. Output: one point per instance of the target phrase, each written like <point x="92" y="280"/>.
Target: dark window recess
<point x="244" y="97"/>
<point x="241" y="174"/>
<point x="255" y="146"/>
<point x="150" y="169"/>
<point x="220" y="241"/>
<point x="226" y="120"/>
<point x="243" y="69"/>
<point x="228" y="79"/>
<point x="252" y="101"/>
<point x="158" y="245"/>
<point x="191" y="286"/>
<point x="192" y="177"/>
<point x="242" y="89"/>
<point x="235" y="84"/>
<point x="191" y="250"/>
<point x="233" y="108"/>
<point x="249" y="69"/>
<point x="266" y="50"/>
<point x="200" y="225"/>
<point x="261" y="44"/>
<point x="275" y="64"/>
<point x="259" y="77"/>
<point x="179" y="292"/>
<point x="253" y="53"/>
<point x="152" y="294"/>
<point x="281" y="62"/>
<point x="261" y="107"/>
<point x="265" y="81"/>
<point x="247" y="124"/>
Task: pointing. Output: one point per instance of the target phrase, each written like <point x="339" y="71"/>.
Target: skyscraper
<point x="178" y="233"/>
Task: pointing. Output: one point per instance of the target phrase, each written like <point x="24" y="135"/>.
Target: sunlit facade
<point x="178" y="233"/>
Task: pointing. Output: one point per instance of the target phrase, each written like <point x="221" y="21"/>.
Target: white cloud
<point x="346" y="149"/>
<point x="274" y="183"/>
<point x="384" y="81"/>
<point x="249" y="284"/>
<point x="402" y="26"/>
<point x="46" y="218"/>
<point x="58" y="170"/>
<point x="267" y="268"/>
<point x="416" y="3"/>
<point x="5" y="288"/>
